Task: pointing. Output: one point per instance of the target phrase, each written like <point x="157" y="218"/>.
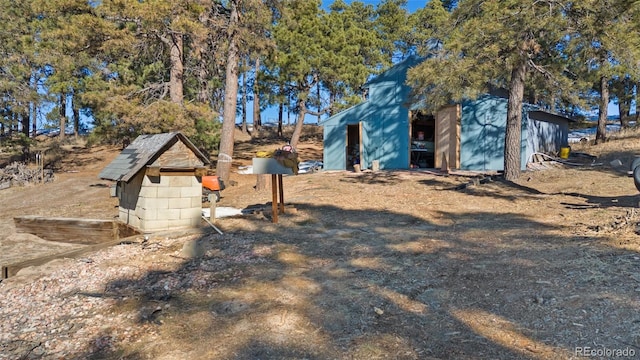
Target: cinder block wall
<point x="166" y="203"/>
<point x="128" y="194"/>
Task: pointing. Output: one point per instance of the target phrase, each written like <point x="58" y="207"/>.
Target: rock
<point x="192" y="249"/>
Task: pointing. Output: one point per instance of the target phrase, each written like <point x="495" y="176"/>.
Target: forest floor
<point x="411" y="264"/>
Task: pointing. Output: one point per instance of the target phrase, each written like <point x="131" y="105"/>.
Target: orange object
<point x="212" y="183"/>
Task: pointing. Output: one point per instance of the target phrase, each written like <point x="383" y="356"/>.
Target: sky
<point x="271" y="115"/>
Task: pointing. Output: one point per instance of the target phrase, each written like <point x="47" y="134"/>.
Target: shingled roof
<point x="142" y="152"/>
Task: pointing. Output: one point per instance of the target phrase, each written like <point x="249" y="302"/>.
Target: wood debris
<point x="19" y="174"/>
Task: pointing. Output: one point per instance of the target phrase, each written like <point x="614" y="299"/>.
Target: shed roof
<point x="397" y="72"/>
<point x="143" y="151"/>
<point x="555" y="116"/>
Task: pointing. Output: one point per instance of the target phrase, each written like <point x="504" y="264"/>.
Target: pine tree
<point x="493" y="43"/>
<point x="336" y="50"/>
<point x="606" y="44"/>
<point x="158" y="72"/>
<point x="20" y="66"/>
<point x="243" y="28"/>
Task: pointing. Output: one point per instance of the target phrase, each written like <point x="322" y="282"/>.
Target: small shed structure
<point x="159" y="182"/>
<point x="389" y="129"/>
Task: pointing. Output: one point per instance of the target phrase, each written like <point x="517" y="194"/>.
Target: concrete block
<point x="169" y="192"/>
<point x="154" y="225"/>
<point x="196" y="202"/>
<point x="375" y="165"/>
<point x="179" y="223"/>
<point x="147" y="181"/>
<point x="191" y="213"/>
<point x="168" y="214"/>
<point x="190" y="191"/>
<point x="149" y="192"/>
<point x="152" y="203"/>
<point x="180" y="203"/>
<point x="129" y="217"/>
<point x="195" y="222"/>
<point x="180" y="181"/>
<point x="156" y="181"/>
<point x="147" y="214"/>
<point x="123" y="216"/>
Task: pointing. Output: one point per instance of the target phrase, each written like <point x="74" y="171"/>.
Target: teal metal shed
<point x="376" y="129"/>
<point x="388" y="129"/>
<point x="482" y="132"/>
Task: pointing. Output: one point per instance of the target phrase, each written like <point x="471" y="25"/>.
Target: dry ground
<point x="392" y="264"/>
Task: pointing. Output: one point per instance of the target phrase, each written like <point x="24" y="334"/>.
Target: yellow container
<point x="564" y="152"/>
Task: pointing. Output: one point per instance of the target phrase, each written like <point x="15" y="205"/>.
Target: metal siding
<point x="395" y="154"/>
<point x="374" y="140"/>
<point x="482" y="134"/>
<point x="483" y="128"/>
<point x="546" y="135"/>
<point x="365" y="162"/>
<point x="335" y="141"/>
<point x="385" y="127"/>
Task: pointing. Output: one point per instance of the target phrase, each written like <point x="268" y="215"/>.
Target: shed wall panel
<point x="335" y="142"/>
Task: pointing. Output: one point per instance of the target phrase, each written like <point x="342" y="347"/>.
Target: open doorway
<point x="423" y="130"/>
<point x="354" y="146"/>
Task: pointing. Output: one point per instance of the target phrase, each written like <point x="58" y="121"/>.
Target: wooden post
<point x="212" y="207"/>
<point x="274" y="198"/>
<point x="281" y="193"/>
<point x="445" y="163"/>
<point x="272" y="166"/>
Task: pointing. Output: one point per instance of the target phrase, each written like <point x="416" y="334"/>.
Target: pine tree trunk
<point x="625" y="97"/>
<point x="223" y="167"/>
<point x="63" y="115"/>
<point x="177" y="69"/>
<point x="297" y="131"/>
<point x="319" y="104"/>
<point x="76" y="118"/>
<point x="34" y="118"/>
<point x="513" y="133"/>
<point x="257" y="121"/>
<point x="202" y="74"/>
<point x="280" y="113"/>
<point x="25" y="124"/>
<point x="602" y="112"/>
<point x="244" y="102"/>
<point x="623" y="110"/>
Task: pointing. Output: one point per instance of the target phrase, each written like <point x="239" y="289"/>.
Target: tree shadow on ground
<point x="629" y="201"/>
<point x="330" y="283"/>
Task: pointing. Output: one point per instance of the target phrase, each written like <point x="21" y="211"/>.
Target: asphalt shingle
<point x="141" y="152"/>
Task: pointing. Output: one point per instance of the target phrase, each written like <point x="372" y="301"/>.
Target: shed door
<point x="447" y="138"/>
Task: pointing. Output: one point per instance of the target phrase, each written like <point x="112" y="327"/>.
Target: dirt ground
<point x="393" y="264"/>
